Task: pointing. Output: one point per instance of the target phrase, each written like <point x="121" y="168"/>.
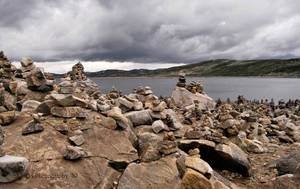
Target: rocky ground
<point x="70" y="135"/>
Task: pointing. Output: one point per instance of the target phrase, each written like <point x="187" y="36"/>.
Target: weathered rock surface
<point x="77" y="140"/>
<point x="67" y="100"/>
<point x="37" y="81"/>
<point x="176" y="122"/>
<point x="158" y="126"/>
<point x="1" y="136"/>
<point x="157" y="174"/>
<point x="288" y="165"/>
<point x="103" y="147"/>
<point x="69" y="112"/>
<point x="30" y="106"/>
<point x="234" y="157"/>
<point x="7" y="117"/>
<point x="182" y="98"/>
<point x="142" y="117"/>
<point x="73" y="153"/>
<point x="193" y="179"/>
<point x="199" y="165"/>
<point x="12" y="168"/>
<point x="33" y="126"/>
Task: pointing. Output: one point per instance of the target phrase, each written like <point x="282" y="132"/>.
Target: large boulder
<point x="149" y="146"/>
<point x="12" y="168"/>
<point x="233" y="158"/>
<point x="182" y="98"/>
<point x="157" y="174"/>
<point x="105" y="148"/>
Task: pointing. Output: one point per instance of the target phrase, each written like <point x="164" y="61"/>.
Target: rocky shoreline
<point x="70" y="135"/>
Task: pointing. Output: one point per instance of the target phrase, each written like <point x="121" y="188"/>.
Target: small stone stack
<point x="195" y="87"/>
<point x="26" y="66"/>
<point x="6" y="68"/>
<point x="114" y="94"/>
<point x="78" y="72"/>
<point x="181" y="80"/>
<point x="148" y="91"/>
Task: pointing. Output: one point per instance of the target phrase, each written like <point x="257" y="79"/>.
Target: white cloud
<point x="93" y="66"/>
<point x="149" y="31"/>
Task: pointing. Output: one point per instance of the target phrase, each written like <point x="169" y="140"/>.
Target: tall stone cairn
<point x="6" y="68"/>
<point x="78" y="72"/>
<point x="181" y="80"/>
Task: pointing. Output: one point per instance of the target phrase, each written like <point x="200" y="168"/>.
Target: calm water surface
<point x="216" y="87"/>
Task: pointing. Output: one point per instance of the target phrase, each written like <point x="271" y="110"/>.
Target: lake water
<point x="216" y="87"/>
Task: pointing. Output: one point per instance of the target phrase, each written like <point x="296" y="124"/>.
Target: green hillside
<point x="223" y="67"/>
<point x="220" y="67"/>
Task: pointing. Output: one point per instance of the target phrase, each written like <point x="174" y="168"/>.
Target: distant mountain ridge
<point x="219" y="67"/>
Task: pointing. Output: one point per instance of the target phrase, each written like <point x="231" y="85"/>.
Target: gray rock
<point x="158" y="126"/>
<point x="12" y="168"/>
<point x="157" y="174"/>
<point x="37" y="81"/>
<point x="1" y="136"/>
<point x="26" y="62"/>
<point x="45" y="107"/>
<point x="66" y="87"/>
<point x="125" y="104"/>
<point x="232" y="155"/>
<point x="288" y="165"/>
<point x="69" y="112"/>
<point x="182" y="98"/>
<point x="30" y="106"/>
<point x="67" y="100"/>
<point x="148" y="145"/>
<point x="176" y="122"/>
<point x="137" y="105"/>
<point x="33" y="126"/>
<point x="199" y="165"/>
<point x="73" y="153"/>
<point x="137" y="118"/>
<point x="2" y="151"/>
<point x="77" y="140"/>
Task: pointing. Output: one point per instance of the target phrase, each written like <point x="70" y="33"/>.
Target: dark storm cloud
<point x="149" y="31"/>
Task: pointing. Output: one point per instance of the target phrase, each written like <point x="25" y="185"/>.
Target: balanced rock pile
<point x="184" y="95"/>
<point x="70" y="135"/>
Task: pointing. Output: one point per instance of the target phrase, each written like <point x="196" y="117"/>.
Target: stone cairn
<point x="122" y="137"/>
<point x="193" y="87"/>
<point x="181" y="80"/>
<point x="78" y="72"/>
<point x="6" y="68"/>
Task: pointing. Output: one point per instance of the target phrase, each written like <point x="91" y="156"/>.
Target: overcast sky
<point x="149" y="31"/>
